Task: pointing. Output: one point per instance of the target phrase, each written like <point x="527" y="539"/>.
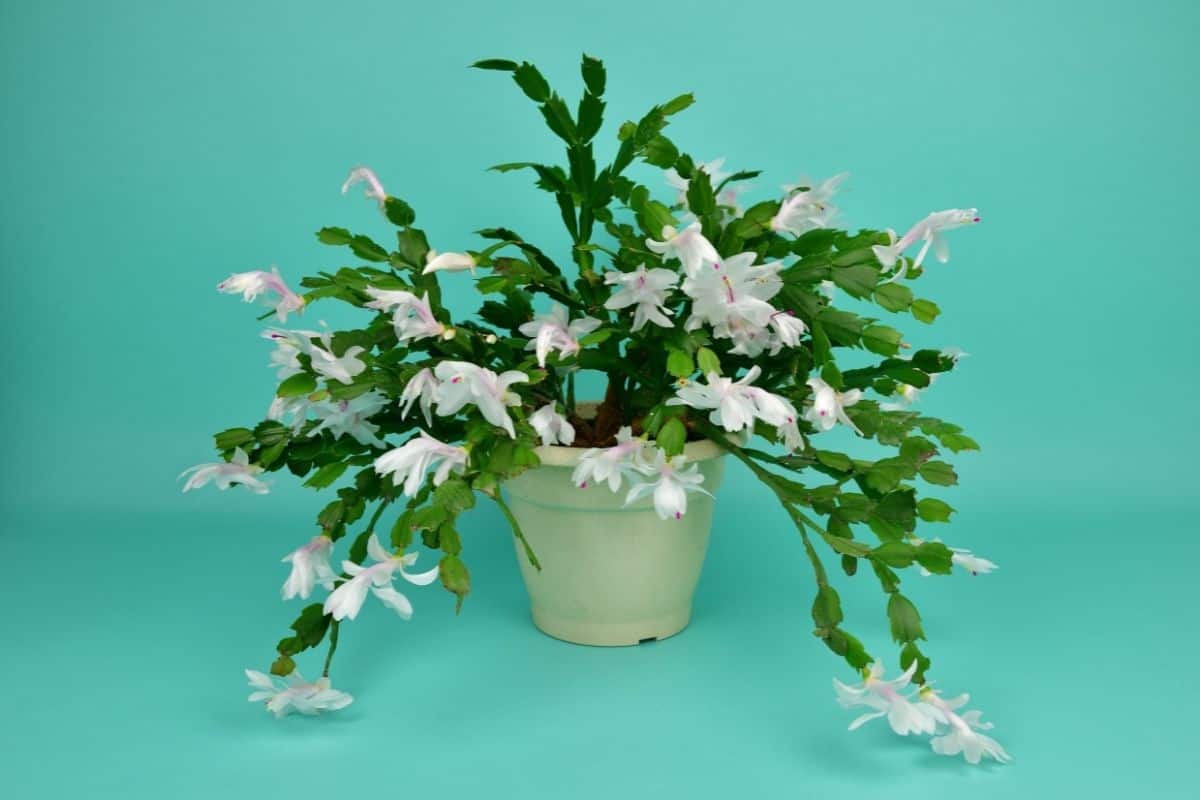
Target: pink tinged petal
<point x="858" y="722"/>
<point x="941" y="248"/>
<point x="394" y="600"/>
<point x="374" y="190"/>
<point x="376" y="550"/>
<point x="453" y="262"/>
<point x="545" y="342"/>
<point x="347" y="600"/>
<point x="300" y="582"/>
<point x="670" y="500"/>
<point x="331" y="700"/>
<point x="259" y="680"/>
<point x="420" y="578"/>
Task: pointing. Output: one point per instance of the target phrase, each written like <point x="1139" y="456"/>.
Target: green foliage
<point x="296" y="385"/>
<point x="827" y="607"/>
<point x="680" y="364"/>
<point x="672" y="437"/>
<point x="708" y="361"/>
<point x="904" y="620"/>
<point x="931" y="509"/>
<point x="399" y="212"/>
<point x="455" y="577"/>
<point x="925" y="311"/>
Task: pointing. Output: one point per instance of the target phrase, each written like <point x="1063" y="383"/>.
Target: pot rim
<point x="556" y="455"/>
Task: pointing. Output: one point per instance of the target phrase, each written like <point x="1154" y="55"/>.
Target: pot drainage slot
<point x="648" y="639"/>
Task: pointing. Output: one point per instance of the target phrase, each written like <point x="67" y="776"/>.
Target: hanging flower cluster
<point x="711" y="316"/>
<point x="920" y="712"/>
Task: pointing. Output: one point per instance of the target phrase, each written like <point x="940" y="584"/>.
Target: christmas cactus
<point x="711" y="317"/>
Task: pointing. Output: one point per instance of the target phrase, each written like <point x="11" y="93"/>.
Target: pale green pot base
<point x="612" y="575"/>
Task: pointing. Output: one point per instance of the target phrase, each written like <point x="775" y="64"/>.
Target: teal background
<point x="151" y="148"/>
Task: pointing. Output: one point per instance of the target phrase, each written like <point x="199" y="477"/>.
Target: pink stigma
<point x="678" y="515"/>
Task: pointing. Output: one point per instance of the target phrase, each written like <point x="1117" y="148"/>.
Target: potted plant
<point x="715" y="327"/>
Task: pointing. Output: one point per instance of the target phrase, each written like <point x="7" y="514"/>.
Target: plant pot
<point x="611" y="574"/>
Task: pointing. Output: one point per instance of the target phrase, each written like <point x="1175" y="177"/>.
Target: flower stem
<point x="333" y="623"/>
<point x="333" y="643"/>
<point x="801" y="521"/>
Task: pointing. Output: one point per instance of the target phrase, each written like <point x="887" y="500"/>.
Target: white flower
<point x="409" y="462"/>
<point x="645" y="289"/>
<point x="829" y="406"/>
<point x="730" y="408"/>
<point x="461" y="382"/>
<point x="290" y="344"/>
<point x="552" y="331"/>
<point x="310" y="566"/>
<point x="788" y="328"/>
<point x="295" y="694"/>
<point x="610" y="464"/>
<point x="454" y="262"/>
<point x="288" y="347"/>
<point x="970" y="562"/>
<point x="252" y="284"/>
<point x="789" y="434"/>
<point x="929" y="232"/>
<point x="421" y="387"/>
<point x="225" y="474"/>
<point x="688" y="245"/>
<point x="731" y="296"/>
<point x="387" y="299"/>
<point x="770" y="408"/>
<point x="349" y="417"/>
<point x="552" y="426"/>
<point x="962" y="734"/>
<point x="671" y="484"/>
<point x="374" y="190"/>
<point x="413" y="318"/>
<point x="808" y="208"/>
<point x="885" y="699"/>
<point x="295" y="407"/>
<point x="735" y="405"/>
<point x="347" y="600"/>
<point x="341" y="368"/>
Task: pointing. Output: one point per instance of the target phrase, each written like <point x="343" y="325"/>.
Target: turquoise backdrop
<point x="151" y="148"/>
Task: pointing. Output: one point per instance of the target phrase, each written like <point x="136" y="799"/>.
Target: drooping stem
<point x="333" y="624"/>
<point x="375" y="517"/>
<point x="829" y="629"/>
<point x="516" y="529"/>
<point x="333" y="643"/>
<point x="801" y="521"/>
